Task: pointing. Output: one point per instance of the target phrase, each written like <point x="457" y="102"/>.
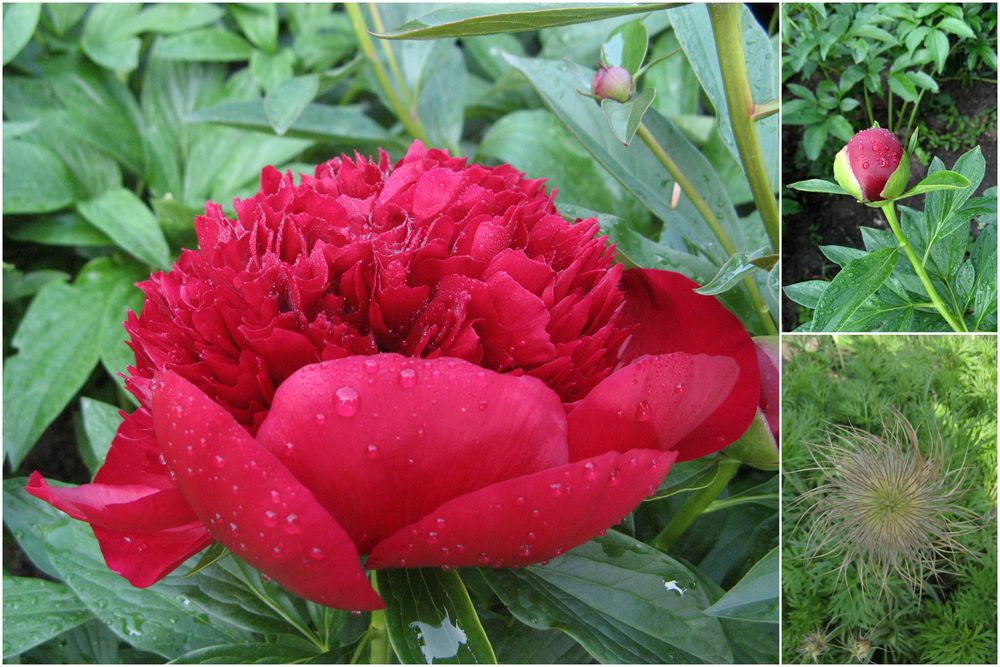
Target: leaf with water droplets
<point x="855" y="283"/>
<point x="624" y="601"/>
<point x="35" y="611"/>
<point x="431" y="619"/>
<point x="755" y="596"/>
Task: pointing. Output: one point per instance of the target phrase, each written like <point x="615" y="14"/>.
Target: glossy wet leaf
<point x="285" y="104"/>
<point x="734" y="270"/>
<point x="937" y="180"/>
<point x="431" y="619"/>
<point x="626" y="47"/>
<point x="59" y="342"/>
<point x="806" y="293"/>
<point x="100" y="422"/>
<point x="817" y="185"/>
<point x="624" y="601"/>
<point x="755" y="596"/>
<point x="35" y="611"/>
<point x="624" y="118"/>
<point x="130" y="224"/>
<point x="857" y="281"/>
<point x="462" y="20"/>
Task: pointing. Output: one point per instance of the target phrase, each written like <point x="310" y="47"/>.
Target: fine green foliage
<point x="945" y="384"/>
<point x="122" y="120"/>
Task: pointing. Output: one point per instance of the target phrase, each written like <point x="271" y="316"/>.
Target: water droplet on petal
<point x="317" y="553"/>
<point x="371" y="451"/>
<point x="371" y="366"/>
<point x="346" y="401"/>
<point x="865" y="165"/>
<point x="613" y="477"/>
<point x="220" y="462"/>
<point x="275" y="496"/>
<point x="270" y="518"/>
<point x="643" y="411"/>
<point x="589" y="470"/>
<point x="292" y="524"/>
<point x="320" y="419"/>
<point x="484" y="557"/>
<point x="555" y="489"/>
<point x="432" y="537"/>
<point x="679" y="388"/>
<point x="407" y="378"/>
<point x="525" y="550"/>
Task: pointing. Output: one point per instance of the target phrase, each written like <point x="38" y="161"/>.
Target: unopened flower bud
<point x="613" y="83"/>
<point x="872" y="166"/>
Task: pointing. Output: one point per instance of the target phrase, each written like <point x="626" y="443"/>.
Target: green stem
<point x="868" y="106"/>
<point x="379" y="651"/>
<point x="409" y="120"/>
<point x="890" y="214"/>
<point x="762" y="111"/>
<point x="695" y="506"/>
<point x="913" y="113"/>
<point x="390" y="56"/>
<point x="763" y="312"/>
<point x="728" y="30"/>
<point x="277" y="609"/>
<point x="889" y="104"/>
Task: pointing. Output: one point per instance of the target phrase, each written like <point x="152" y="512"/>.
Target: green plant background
<point x="857" y="380"/>
<point x="120" y="121"/>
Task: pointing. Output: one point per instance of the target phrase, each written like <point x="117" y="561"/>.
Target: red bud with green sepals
<point x="613" y="83"/>
<point x="872" y="166"/>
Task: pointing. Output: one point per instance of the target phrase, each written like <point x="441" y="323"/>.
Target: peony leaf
<point x="35" y="611"/>
<point x="626" y="47"/>
<point x="108" y="38"/>
<point x="624" y="118"/>
<point x="259" y="22"/>
<point x="34" y="179"/>
<point x="173" y="18"/>
<point x="755" y="596"/>
<point x="130" y="224"/>
<point x="463" y="20"/>
<point x="984" y="293"/>
<point x="736" y="268"/>
<point x="19" y="21"/>
<point x="285" y="104"/>
<point x="858" y="280"/>
<point x="206" y="45"/>
<point x="806" y="293"/>
<point x="817" y="185"/>
<point x="100" y="422"/>
<point x="431" y="619"/>
<point x="937" y="180"/>
<point x="624" y="601"/>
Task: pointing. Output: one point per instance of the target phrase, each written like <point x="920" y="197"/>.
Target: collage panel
<point x="889" y="533"/>
<point x="889" y="167"/>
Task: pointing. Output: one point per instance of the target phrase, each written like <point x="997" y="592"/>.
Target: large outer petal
<point x="252" y="503"/>
<point x="670" y="317"/>
<point x="655" y="402"/>
<point x="144" y="526"/>
<point x="382" y="440"/>
<point x="528" y="519"/>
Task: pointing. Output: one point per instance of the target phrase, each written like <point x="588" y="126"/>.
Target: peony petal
<point x="528" y="519"/>
<point x="653" y="403"/>
<point x="132" y="507"/>
<point x="145" y="558"/>
<point x="382" y="440"/>
<point x="252" y="503"/>
<point x="768" y="355"/>
<point x="669" y="316"/>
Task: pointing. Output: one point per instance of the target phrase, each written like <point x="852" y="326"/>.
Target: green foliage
<point x="122" y="120"/>
<point x="953" y="241"/>
<point x="946" y="382"/>
<point x="844" y="64"/>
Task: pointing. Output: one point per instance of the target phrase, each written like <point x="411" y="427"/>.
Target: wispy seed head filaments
<point x="888" y="506"/>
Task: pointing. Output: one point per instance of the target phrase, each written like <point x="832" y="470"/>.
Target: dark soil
<point x="836" y="220"/>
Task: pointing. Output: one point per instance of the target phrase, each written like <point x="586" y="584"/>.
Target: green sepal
<point x="896" y="184"/>
<point x="842" y="172"/>
<point x="756" y="447"/>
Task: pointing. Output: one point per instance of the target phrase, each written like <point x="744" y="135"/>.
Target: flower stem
<point x="763" y="312"/>
<point x="695" y="505"/>
<point x="409" y="120"/>
<point x="379" y="651"/>
<point x="728" y="30"/>
<point x="890" y="214"/>
<point x="390" y="57"/>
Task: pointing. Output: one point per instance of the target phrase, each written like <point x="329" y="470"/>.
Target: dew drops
<point x="220" y="462"/>
<point x="525" y="550"/>
<point x="445" y="551"/>
<point x="288" y="450"/>
<point x="316" y="553"/>
<point x="292" y="526"/>
<point x="275" y="496"/>
<point x="371" y="366"/>
<point x="141" y="546"/>
<point x="589" y="470"/>
<point x="407" y="378"/>
<point x="482" y="406"/>
<point x="346" y="401"/>
<point x="679" y="388"/>
<point x="556" y="489"/>
<point x="407" y="548"/>
<point x="613" y="478"/>
<point x="320" y="419"/>
<point x="371" y="452"/>
<point x="865" y="165"/>
<point x="233" y="527"/>
<point x="270" y="518"/>
<point x="520" y="500"/>
<point x="439" y="522"/>
<point x="484" y="557"/>
<point x="356" y="612"/>
<point x="431" y="537"/>
<point x="643" y="411"/>
<point x="277" y="552"/>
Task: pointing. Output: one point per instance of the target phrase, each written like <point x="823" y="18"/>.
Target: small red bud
<point x="613" y="83"/>
<point x="872" y="156"/>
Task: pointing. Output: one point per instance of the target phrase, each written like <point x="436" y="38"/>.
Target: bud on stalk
<point x="873" y="166"/>
<point x="612" y="83"/>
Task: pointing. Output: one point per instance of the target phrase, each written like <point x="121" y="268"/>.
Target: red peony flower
<point x="423" y="363"/>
